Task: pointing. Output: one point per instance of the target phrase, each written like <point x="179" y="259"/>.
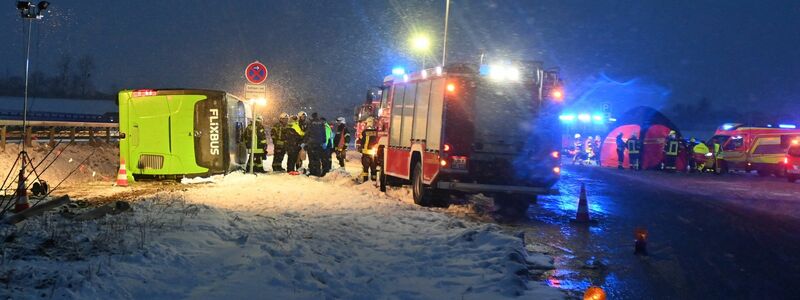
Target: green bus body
<point x="178" y="133"/>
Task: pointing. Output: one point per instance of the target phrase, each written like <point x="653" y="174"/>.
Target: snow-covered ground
<point x="271" y="236"/>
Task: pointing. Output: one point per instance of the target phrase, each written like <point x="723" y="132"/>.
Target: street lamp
<point x="422" y="44"/>
<point x="253" y="138"/>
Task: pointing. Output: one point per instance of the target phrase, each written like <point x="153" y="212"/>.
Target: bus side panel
<point x="397" y="161"/>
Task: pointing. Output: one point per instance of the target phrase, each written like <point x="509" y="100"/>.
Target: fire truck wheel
<point x="422" y="194"/>
<point x="512" y="204"/>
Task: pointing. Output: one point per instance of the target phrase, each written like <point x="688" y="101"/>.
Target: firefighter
<point x="691" y="160"/>
<point x="366" y="144"/>
<point x="577" y="149"/>
<point x="633" y="152"/>
<point x="316" y="139"/>
<point x="302" y="122"/>
<point x="701" y="157"/>
<point x="260" y="140"/>
<point x="294" y="138"/>
<point x="279" y="141"/>
<point x="597" y="149"/>
<point x="620" y="151"/>
<point x="671" y="152"/>
<point x="588" y="147"/>
<point x="341" y="139"/>
<point x="327" y="149"/>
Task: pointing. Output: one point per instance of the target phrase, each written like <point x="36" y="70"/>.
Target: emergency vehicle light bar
<point x="144" y="93"/>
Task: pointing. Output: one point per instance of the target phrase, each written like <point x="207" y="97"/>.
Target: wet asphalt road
<point x="700" y="246"/>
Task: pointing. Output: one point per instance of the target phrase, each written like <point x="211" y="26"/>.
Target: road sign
<point x="256" y="72"/>
<point x="255" y="91"/>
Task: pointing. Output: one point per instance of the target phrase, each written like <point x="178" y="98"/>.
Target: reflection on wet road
<point x="699" y="246"/>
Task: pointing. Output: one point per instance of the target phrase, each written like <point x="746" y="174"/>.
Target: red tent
<point x="644" y="122"/>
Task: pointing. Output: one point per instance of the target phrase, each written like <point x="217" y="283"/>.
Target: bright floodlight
<point x="398" y="71"/>
<point x="259" y="101"/>
<point x="503" y="73"/>
<point x="566" y="118"/>
<point x="597" y="118"/>
<point x="787" y="126"/>
<point x="421" y="42"/>
<point x="584" y="117"/>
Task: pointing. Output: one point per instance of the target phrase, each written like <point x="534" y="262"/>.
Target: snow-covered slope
<point x="281" y="237"/>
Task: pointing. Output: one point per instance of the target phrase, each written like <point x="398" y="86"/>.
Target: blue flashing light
<point x="566" y="118"/>
<point x="612" y="119"/>
<point x="584" y="117"/>
<point x="398" y="71"/>
<point x="727" y="126"/>
<point x="787" y="126"/>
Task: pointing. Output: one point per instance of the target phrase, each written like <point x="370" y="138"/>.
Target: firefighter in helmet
<point x="366" y="145"/>
<point x="633" y="151"/>
<point x="577" y="149"/>
<point x="294" y="138"/>
<point x="620" y="151"/>
<point x="671" y="147"/>
<point x="260" y="141"/>
<point x="277" y="132"/>
<point x="341" y="140"/>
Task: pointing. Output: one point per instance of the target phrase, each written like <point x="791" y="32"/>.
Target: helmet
<point x="259" y="118"/>
<point x="672" y="132"/>
<point x="577" y="135"/>
<point x="589" y="138"/>
<point x="370" y="121"/>
<point x="302" y="114"/>
<point x="284" y="115"/>
<point x="340" y="120"/>
<point x="597" y="137"/>
<point x="693" y="140"/>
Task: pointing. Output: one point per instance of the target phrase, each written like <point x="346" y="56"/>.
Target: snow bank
<point x="278" y="237"/>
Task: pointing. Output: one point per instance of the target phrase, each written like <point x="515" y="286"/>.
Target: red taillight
<point x="446" y="148"/>
<point x="786" y="160"/>
<point x="144" y="93"/>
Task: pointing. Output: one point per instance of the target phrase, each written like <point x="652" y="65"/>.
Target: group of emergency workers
<point x="586" y="152"/>
<point x="296" y="138"/>
<point x="698" y="155"/>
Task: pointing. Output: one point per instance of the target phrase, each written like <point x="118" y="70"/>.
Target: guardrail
<point x="93" y="132"/>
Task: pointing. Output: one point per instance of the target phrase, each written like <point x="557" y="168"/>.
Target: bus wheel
<point x="422" y="194"/>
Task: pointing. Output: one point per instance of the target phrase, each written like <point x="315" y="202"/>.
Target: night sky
<point x="326" y="53"/>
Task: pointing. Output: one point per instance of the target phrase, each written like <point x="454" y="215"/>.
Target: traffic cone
<point x="583" y="207"/>
<point x="122" y="176"/>
<point x="22" y="195"/>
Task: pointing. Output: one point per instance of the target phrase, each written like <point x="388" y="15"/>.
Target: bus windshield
<point x="504" y="112"/>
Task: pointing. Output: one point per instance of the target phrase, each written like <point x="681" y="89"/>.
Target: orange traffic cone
<point x="22" y="195"/>
<point x="583" y="207"/>
<point x="122" y="176"/>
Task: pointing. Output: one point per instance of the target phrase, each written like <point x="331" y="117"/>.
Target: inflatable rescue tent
<point x="652" y="129"/>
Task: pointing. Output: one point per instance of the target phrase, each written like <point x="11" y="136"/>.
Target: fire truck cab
<point x="468" y="129"/>
<point x="747" y="148"/>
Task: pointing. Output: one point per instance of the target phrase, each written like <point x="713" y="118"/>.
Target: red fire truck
<point x="470" y="129"/>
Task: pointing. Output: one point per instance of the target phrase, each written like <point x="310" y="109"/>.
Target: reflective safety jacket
<point x="328" y="137"/>
<point x="633" y="145"/>
<point x="671" y="147"/>
<point x="260" y="138"/>
<point x="278" y="134"/>
<point x="294" y="135"/>
<point x="342" y="136"/>
<point x="369" y="138"/>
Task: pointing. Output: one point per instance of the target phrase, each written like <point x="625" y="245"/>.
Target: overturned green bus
<point x="179" y="133"/>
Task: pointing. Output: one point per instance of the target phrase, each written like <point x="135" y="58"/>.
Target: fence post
<point x="29" y="136"/>
<point x="72" y="132"/>
<point x="3" y="137"/>
<point x="91" y="136"/>
<point x="52" y="136"/>
<point x="108" y="135"/>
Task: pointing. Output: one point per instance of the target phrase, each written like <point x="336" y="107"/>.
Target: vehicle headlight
<point x="709" y="154"/>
